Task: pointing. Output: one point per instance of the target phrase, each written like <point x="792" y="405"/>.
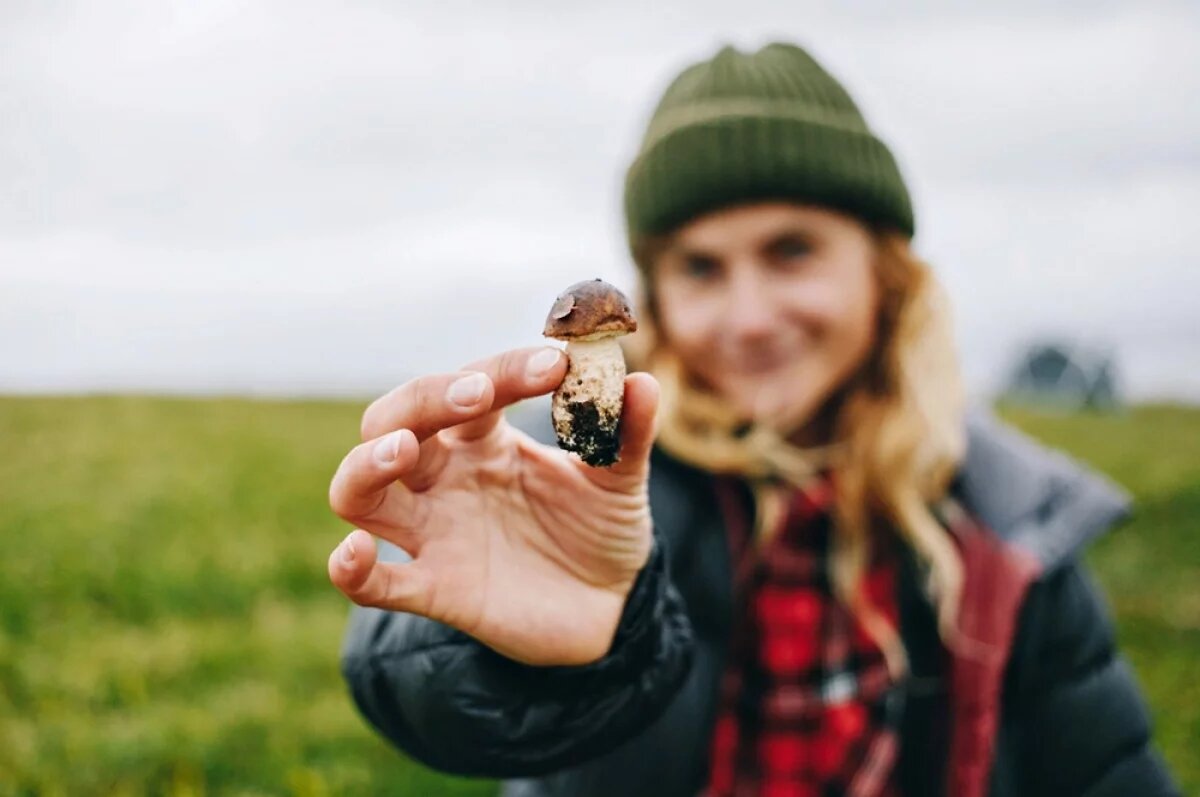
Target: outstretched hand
<point x="520" y="545"/>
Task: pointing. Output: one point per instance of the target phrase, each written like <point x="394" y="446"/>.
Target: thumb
<point x="638" y="427"/>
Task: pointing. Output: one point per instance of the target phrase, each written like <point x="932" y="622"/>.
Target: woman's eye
<point x="791" y="249"/>
<point x="699" y="268"/>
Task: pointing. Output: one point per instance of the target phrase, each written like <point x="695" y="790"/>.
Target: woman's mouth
<point x="757" y="364"/>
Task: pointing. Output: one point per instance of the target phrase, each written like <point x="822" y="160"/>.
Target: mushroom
<point x="586" y="408"/>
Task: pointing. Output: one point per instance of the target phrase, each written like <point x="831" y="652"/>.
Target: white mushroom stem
<point x="598" y="370"/>
<point x="587" y="405"/>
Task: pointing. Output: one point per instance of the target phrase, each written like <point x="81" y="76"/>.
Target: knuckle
<point x="422" y="398"/>
<point x="405" y="405"/>
<point x="354" y="591"/>
<point x="339" y="502"/>
<point x="365" y="594"/>
<point x="513" y="363"/>
<point x="361" y="598"/>
<point x="340" y="498"/>
<point x="375" y="417"/>
<point x="370" y="417"/>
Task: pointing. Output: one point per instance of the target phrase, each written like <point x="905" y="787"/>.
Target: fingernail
<point x="542" y="363"/>
<point x="468" y="390"/>
<point x="387" y="448"/>
<point x="346" y="551"/>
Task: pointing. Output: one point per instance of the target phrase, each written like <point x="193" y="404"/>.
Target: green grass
<point x="1150" y="566"/>
<point x="166" y="626"/>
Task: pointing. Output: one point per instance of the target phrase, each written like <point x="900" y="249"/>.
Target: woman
<point x="821" y="578"/>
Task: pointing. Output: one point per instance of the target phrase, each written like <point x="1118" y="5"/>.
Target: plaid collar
<point x="806" y="700"/>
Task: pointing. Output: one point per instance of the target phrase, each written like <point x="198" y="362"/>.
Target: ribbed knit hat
<point x="766" y="125"/>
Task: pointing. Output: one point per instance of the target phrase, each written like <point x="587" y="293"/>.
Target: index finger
<point x="422" y="404"/>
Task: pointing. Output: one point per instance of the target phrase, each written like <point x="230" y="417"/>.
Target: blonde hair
<point x="898" y="438"/>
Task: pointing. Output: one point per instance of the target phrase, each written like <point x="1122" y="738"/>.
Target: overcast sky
<point x="319" y="197"/>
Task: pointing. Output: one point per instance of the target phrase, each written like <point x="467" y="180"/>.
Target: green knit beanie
<point x="767" y="125"/>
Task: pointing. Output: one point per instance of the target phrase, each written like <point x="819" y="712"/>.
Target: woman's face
<point x="770" y="305"/>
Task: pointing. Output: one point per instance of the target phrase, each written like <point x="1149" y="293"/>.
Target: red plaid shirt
<point x="807" y="707"/>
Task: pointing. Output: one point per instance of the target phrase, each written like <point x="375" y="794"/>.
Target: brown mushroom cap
<point x="589" y="308"/>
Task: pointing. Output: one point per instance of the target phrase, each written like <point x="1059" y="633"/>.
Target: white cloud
<point x="268" y="196"/>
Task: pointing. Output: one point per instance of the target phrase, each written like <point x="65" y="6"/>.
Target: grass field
<point x="166" y="626"/>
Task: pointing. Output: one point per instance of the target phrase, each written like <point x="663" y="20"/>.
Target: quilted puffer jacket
<point x="1051" y="710"/>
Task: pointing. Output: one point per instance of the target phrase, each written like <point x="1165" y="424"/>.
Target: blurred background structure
<point x="1056" y="374"/>
<point x="295" y="206"/>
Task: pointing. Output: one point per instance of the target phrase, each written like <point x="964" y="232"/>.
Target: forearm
<point x="460" y="707"/>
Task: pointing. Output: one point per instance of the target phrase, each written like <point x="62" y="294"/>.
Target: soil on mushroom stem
<point x="595" y="442"/>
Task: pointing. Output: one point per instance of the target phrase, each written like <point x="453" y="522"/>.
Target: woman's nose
<point x="749" y="307"/>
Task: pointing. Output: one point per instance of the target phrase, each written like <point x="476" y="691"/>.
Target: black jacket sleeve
<point x="1084" y="728"/>
<point x="460" y="707"/>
